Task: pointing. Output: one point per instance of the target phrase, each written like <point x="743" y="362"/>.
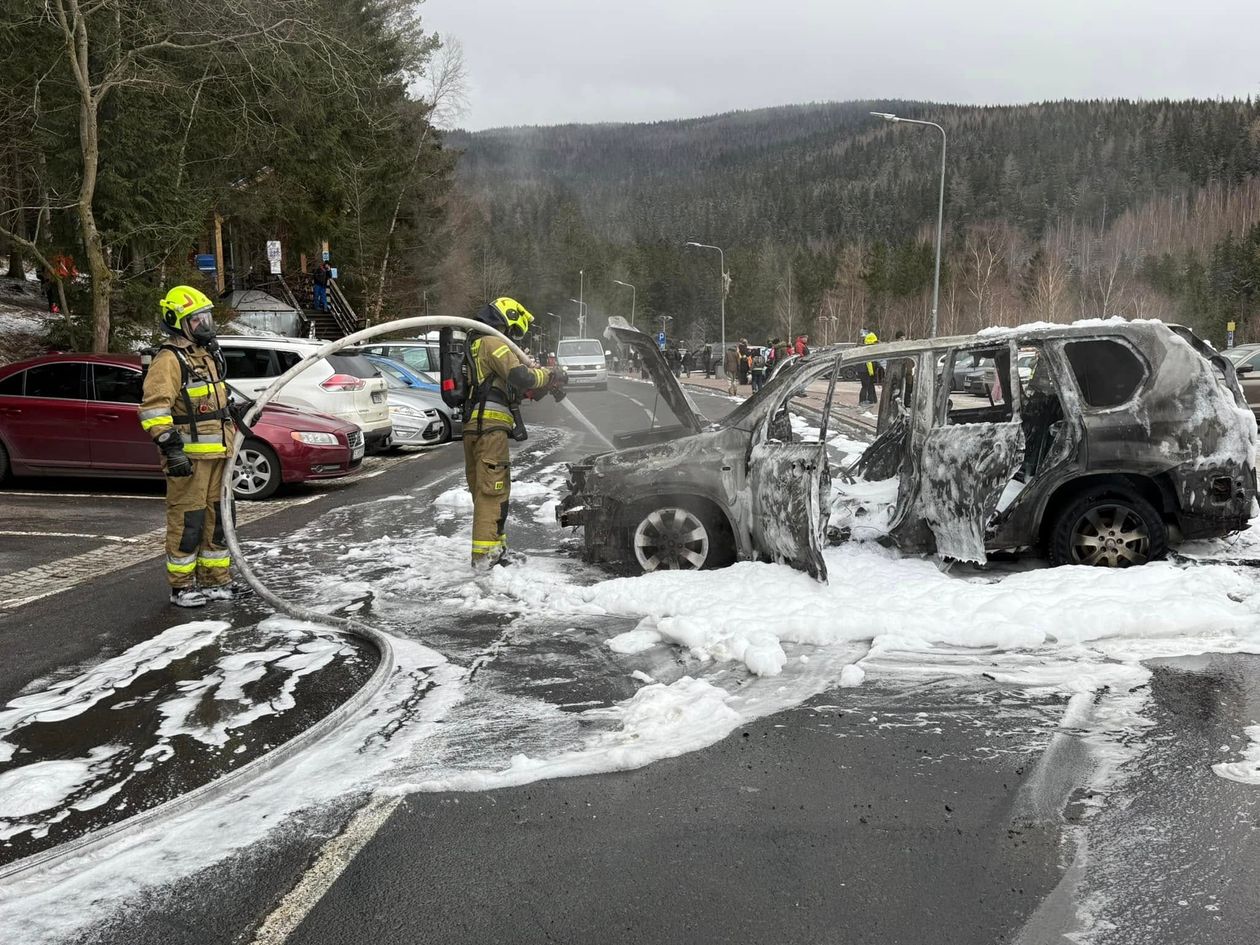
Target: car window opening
<point x="985" y="397"/>
<point x="1107" y="372"/>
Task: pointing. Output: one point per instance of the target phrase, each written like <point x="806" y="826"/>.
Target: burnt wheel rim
<point x="251" y="472"/>
<point x="1111" y="536"/>
<point x="671" y="539"/>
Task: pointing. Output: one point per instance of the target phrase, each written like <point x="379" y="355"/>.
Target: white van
<point x="583" y="359"/>
<point x="346" y="386"/>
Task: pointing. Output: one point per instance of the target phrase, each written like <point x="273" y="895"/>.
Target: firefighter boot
<point x="233" y="591"/>
<point x="188" y="597"/>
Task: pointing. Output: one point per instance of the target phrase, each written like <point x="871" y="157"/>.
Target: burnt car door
<point x="969" y="456"/>
<point x="789" y="482"/>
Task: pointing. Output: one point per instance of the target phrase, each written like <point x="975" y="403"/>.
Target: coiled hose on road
<point x="355" y="628"/>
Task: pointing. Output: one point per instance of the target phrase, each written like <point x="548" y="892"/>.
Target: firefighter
<point x="186" y="411"/>
<point x="497" y="380"/>
<point x="867" y="394"/>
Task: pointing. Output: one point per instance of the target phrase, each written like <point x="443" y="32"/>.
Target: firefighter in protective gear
<point x="868" y="394"/>
<point x="496" y="381"/>
<point x="185" y="409"/>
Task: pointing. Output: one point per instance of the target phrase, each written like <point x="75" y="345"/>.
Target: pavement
<point x="915" y="809"/>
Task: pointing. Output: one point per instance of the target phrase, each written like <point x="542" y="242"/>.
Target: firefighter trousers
<point x="195" y="550"/>
<point x="488" y="470"/>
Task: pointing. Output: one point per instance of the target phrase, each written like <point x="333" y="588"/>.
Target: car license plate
<point x="356" y="452"/>
<point x="378" y="396"/>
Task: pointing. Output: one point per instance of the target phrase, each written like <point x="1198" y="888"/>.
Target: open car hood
<point x="631" y="339"/>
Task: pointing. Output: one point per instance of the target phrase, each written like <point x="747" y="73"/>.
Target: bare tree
<point x="984" y="249"/>
<point x="445" y="101"/>
<point x="109" y="45"/>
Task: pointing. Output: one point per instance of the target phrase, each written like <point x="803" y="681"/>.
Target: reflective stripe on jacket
<point x="167" y="398"/>
<point x="493" y="360"/>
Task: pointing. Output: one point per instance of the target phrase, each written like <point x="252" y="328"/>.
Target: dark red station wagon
<point x="75" y="415"/>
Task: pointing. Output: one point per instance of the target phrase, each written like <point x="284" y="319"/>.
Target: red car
<point x="75" y="415"/>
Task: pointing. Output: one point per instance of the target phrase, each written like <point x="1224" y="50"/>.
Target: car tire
<point x="446" y="436"/>
<point x="256" y="472"/>
<point x="4" y="464"/>
<point x="1113" y="528"/>
<point x="674" y="533"/>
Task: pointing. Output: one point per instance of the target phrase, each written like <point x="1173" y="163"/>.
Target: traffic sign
<point x="660" y="340"/>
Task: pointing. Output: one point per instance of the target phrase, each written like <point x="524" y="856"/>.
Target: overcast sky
<point x="555" y="61"/>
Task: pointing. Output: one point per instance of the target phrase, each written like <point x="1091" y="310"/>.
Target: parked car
<point x="341" y="385"/>
<point x="980" y="379"/>
<point x="75" y="415"/>
<point x="1246" y="361"/>
<point x="418" y="354"/>
<point x="414" y="414"/>
<point x="427" y="391"/>
<point x="1124" y="439"/>
<point x="583" y="359"/>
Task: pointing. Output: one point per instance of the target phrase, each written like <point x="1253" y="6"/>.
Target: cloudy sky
<point x="554" y="61"/>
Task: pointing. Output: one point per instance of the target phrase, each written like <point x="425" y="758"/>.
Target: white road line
<point x="129" y="541"/>
<point x="79" y="495"/>
<point x="332" y="861"/>
<point x="637" y="402"/>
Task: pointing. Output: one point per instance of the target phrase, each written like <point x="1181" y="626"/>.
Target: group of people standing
<point x="752" y="364"/>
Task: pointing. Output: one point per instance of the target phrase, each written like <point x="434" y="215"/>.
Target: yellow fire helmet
<point x="182" y="302"/>
<point x="516" y="317"/>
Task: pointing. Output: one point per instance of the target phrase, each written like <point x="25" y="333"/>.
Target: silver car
<point x="583" y="359"/>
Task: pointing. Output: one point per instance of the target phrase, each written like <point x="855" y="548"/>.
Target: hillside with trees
<point x="1054" y="211"/>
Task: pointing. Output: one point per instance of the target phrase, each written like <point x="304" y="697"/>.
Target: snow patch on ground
<point x="1247" y="769"/>
<point x="72" y="697"/>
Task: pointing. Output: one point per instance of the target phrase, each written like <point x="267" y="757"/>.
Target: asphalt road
<point x="907" y="811"/>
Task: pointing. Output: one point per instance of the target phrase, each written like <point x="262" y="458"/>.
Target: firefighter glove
<point x="237" y="410"/>
<point x="178" y="466"/>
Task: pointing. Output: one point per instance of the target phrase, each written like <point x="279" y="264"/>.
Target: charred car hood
<point x="631" y="339"/>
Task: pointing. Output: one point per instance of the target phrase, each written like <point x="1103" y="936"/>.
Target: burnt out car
<point x="1118" y="438"/>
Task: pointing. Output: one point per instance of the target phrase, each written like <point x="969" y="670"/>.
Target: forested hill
<point x="1054" y="210"/>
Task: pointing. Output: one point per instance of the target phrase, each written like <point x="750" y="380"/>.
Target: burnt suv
<point x="1109" y="441"/>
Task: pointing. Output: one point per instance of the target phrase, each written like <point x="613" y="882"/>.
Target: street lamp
<point x="725" y="280"/>
<point x="632" y="295"/>
<point x="940" y="207"/>
<point x="581" y="317"/>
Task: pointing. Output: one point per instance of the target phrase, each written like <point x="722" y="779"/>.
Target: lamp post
<point x="632" y="295"/>
<point x="581" y="317"/>
<point x="725" y="279"/>
<point x="940" y="207"/>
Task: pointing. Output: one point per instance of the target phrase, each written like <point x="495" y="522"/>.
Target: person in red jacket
<point x="802" y="345"/>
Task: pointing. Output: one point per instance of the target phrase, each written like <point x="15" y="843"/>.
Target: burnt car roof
<point x="1086" y="328"/>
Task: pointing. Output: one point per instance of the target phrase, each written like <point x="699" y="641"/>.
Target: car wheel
<point x="1108" y="529"/>
<point x="4" y="463"/>
<point x="256" y="471"/>
<point x="446" y="430"/>
<point x="677" y="535"/>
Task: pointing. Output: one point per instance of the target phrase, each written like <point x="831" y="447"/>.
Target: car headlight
<point x="312" y="438"/>
<point x="404" y="411"/>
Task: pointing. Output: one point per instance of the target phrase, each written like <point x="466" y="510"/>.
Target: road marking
<point x="54" y="577"/>
<point x="319" y="877"/>
<point x="638" y="403"/>
<point x="79" y="495"/>
<point x="129" y="541"/>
